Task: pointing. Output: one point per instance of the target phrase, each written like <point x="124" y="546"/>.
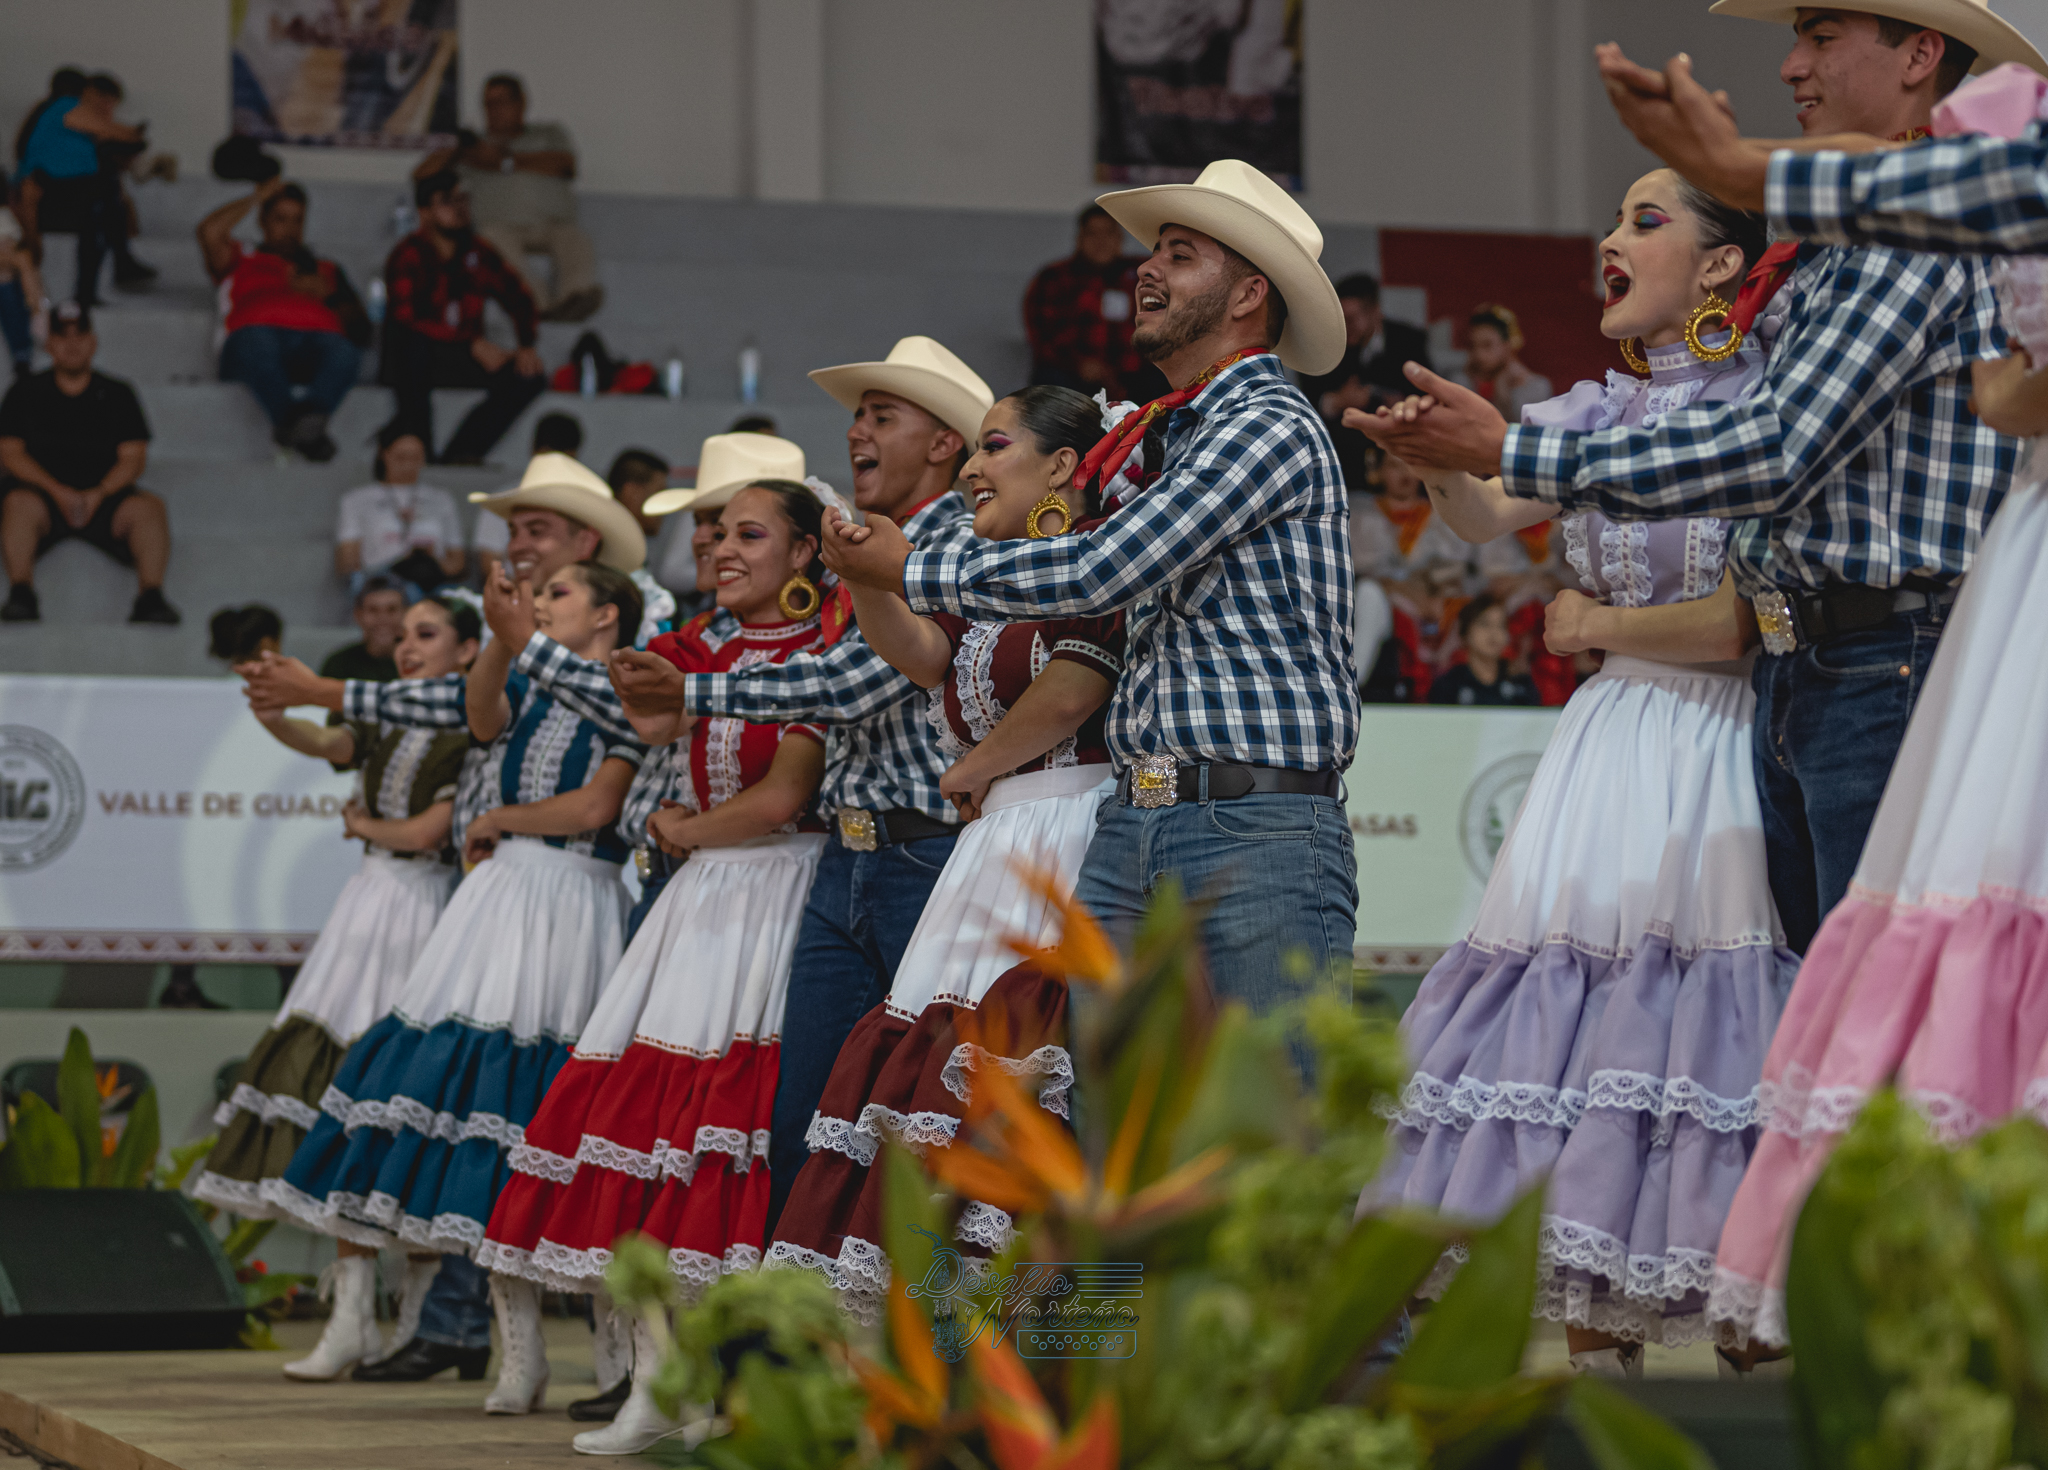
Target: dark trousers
<point x="1829" y="720"/>
<point x="89" y="206"/>
<point x="457" y="1311"/>
<point x="413" y="366"/>
<point x="857" y="921"/>
<point x="14" y="323"/>
<point x="658" y="874"/>
<point x="273" y="361"/>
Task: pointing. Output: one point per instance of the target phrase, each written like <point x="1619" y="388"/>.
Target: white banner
<point x="1433" y="791"/>
<point x="155" y="819"/>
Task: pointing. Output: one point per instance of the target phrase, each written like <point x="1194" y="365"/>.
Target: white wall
<point x="1450" y="114"/>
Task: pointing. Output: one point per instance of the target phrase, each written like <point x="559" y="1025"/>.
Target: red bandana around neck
<point x="1108" y="456"/>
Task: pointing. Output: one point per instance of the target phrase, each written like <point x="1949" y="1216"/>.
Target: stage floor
<point x="236" y="1411"/>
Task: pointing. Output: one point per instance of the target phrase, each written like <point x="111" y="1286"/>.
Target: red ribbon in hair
<point x="1108" y="456"/>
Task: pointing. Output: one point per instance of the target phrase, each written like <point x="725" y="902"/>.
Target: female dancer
<point x="412" y="1142"/>
<point x="1605" y="1021"/>
<point x="1020" y="707"/>
<point x="1929" y="974"/>
<point x="658" y="1122"/>
<point x="380" y="922"/>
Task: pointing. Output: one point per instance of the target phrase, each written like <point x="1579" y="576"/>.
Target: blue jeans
<point x="650" y="889"/>
<point x="273" y="360"/>
<point x="1278" y="869"/>
<point x="457" y="1311"/>
<point x="14" y="322"/>
<point x="857" y="921"/>
<point x="1829" y="720"/>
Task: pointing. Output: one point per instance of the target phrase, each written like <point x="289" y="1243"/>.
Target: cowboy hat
<point x="1992" y="37"/>
<point x="919" y="369"/>
<point x="1236" y="204"/>
<point x="726" y="465"/>
<point x="558" y="483"/>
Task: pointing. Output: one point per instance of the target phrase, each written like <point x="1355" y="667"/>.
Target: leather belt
<point x="1156" y="781"/>
<point x="1790" y="621"/>
<point x="865" y="831"/>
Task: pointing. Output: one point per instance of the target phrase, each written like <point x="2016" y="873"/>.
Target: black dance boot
<point x="419" y="1360"/>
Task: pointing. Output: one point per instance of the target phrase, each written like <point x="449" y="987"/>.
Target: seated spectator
<point x="1368" y="374"/>
<point x="1484" y="676"/>
<point x="21" y="294"/>
<point x="73" y="442"/>
<point x="397" y="529"/>
<point x="553" y="433"/>
<point x="1396" y="534"/>
<point x="380" y="614"/>
<point x="1079" y="314"/>
<point x="240" y="635"/>
<point x="71" y="182"/>
<point x="295" y="328"/>
<point x="436" y="282"/>
<point x="518" y="174"/>
<point x="669" y="580"/>
<point x="1492" y="338"/>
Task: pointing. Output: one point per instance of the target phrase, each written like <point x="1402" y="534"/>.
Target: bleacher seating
<point x="809" y="285"/>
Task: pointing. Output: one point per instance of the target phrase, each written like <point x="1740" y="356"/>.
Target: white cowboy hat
<point x="1233" y="202"/>
<point x="558" y="483"/>
<point x="927" y="374"/>
<point x="1992" y="37"/>
<point x="726" y="465"/>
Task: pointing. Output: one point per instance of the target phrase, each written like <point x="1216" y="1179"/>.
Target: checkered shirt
<point x="1235" y="568"/>
<point x="444" y="299"/>
<point x="880" y="750"/>
<point x="1979" y="194"/>
<point x="1854" y="459"/>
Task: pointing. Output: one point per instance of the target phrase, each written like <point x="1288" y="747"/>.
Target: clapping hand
<point x="274" y="682"/>
<point x="1691" y="129"/>
<point x="647" y="683"/>
<point x="508" y="610"/>
<point x="870" y="555"/>
<point x="1450" y="428"/>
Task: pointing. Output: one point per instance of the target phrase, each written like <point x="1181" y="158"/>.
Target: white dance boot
<point x="523" y="1358"/>
<point x="1624" y="1362"/>
<point x="419" y="1280"/>
<point x="639" y="1423"/>
<point x="351" y="1333"/>
<point x="611" y="1345"/>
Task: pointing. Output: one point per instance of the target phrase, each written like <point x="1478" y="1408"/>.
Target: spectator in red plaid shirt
<point x="437" y="280"/>
<point x="1078" y="314"/>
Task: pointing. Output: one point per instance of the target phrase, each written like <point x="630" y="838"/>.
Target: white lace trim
<point x="405" y="1112"/>
<point x="1752" y="1310"/>
<point x="268" y="1106"/>
<point x="1706" y="556"/>
<point x="1051" y="1063"/>
<point x="986" y="1226"/>
<point x="841" y="1135"/>
<point x="243" y="1196"/>
<point x="1639" y="1092"/>
<point x="1576" y="554"/>
<point x="393" y="798"/>
<point x="1615" y="398"/>
<point x="1668" y="397"/>
<point x="915" y="1131"/>
<point x="2022" y="286"/>
<point x="330" y="1216"/>
<point x="1427" y="1100"/>
<point x="1949" y="1118"/>
<point x="1564" y="1244"/>
<point x="1625" y="563"/>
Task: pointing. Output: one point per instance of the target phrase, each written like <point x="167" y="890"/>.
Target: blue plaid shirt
<point x="1984" y="195"/>
<point x="880" y="750"/>
<point x="1235" y="566"/>
<point x="1856" y="454"/>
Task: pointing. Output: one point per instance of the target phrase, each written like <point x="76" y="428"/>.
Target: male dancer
<point x="914" y="416"/>
<point x="559" y="514"/>
<point x="1238" y="709"/>
<point x="1870" y="479"/>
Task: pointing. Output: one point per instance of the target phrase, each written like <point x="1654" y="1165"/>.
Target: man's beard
<point x="1186" y="322"/>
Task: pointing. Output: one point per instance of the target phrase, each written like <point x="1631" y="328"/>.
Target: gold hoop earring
<point x="1637" y="363"/>
<point x="802" y="587"/>
<point x="1051" y="505"/>
<point x="1717" y="309"/>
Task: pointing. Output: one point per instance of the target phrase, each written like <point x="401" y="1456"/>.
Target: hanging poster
<point x="345" y="73"/>
<point x="1181" y="83"/>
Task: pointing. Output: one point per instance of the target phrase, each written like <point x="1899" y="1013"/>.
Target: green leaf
<point x="1475" y="1336"/>
<point x="1246" y="1095"/>
<point x="78" y="1099"/>
<point x="913" y="1220"/>
<point x="265" y="1289"/>
<point x="45" y="1152"/>
<point x="184" y="1159"/>
<point x="257" y="1336"/>
<point x="1838" y="1391"/>
<point x="244" y="1238"/>
<point x="1360" y="1291"/>
<point x="1621" y="1434"/>
<point x="135" y="1154"/>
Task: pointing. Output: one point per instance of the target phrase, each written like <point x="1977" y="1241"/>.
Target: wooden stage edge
<point x="235" y="1410"/>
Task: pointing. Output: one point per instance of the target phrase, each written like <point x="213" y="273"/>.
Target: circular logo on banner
<point x="42" y="798"/>
<point x="1490" y="807"/>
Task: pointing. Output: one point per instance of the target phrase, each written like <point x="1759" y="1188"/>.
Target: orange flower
<point x="1084" y="951"/>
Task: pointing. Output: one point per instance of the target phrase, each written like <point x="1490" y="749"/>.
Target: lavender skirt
<point x="1604" y="1024"/>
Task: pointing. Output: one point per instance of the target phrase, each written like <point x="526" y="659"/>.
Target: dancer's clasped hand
<point x="508" y="610"/>
<point x="1447" y="428"/>
<point x="870" y="555"/>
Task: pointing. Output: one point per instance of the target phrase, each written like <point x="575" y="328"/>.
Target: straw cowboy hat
<point x="726" y="465"/>
<point x="927" y="374"/>
<point x="1993" y="38"/>
<point x="558" y="483"/>
<point x="1235" y="203"/>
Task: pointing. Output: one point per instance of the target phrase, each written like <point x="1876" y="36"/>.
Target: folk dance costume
<point x="659" y="1122"/>
<point x="1604" y="1023"/>
<point x="379" y="924"/>
<point x="415" y="1129"/>
<point x="904" y="1072"/>
<point x="1929" y="973"/>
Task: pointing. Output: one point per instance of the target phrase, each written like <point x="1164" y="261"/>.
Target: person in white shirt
<point x="397" y="527"/>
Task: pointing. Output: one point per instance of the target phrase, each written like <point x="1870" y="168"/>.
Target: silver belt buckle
<point x="1774" y="621"/>
<point x="643" y="863"/>
<point x="1155" y="781"/>
<point x="857" y="829"/>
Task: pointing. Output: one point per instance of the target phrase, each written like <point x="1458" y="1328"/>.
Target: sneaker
<point x="132" y="273"/>
<point x="577" y="306"/>
<point x="307" y="433"/>
<point x="319" y="450"/>
<point x="150" y="607"/>
<point x="21" y="605"/>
